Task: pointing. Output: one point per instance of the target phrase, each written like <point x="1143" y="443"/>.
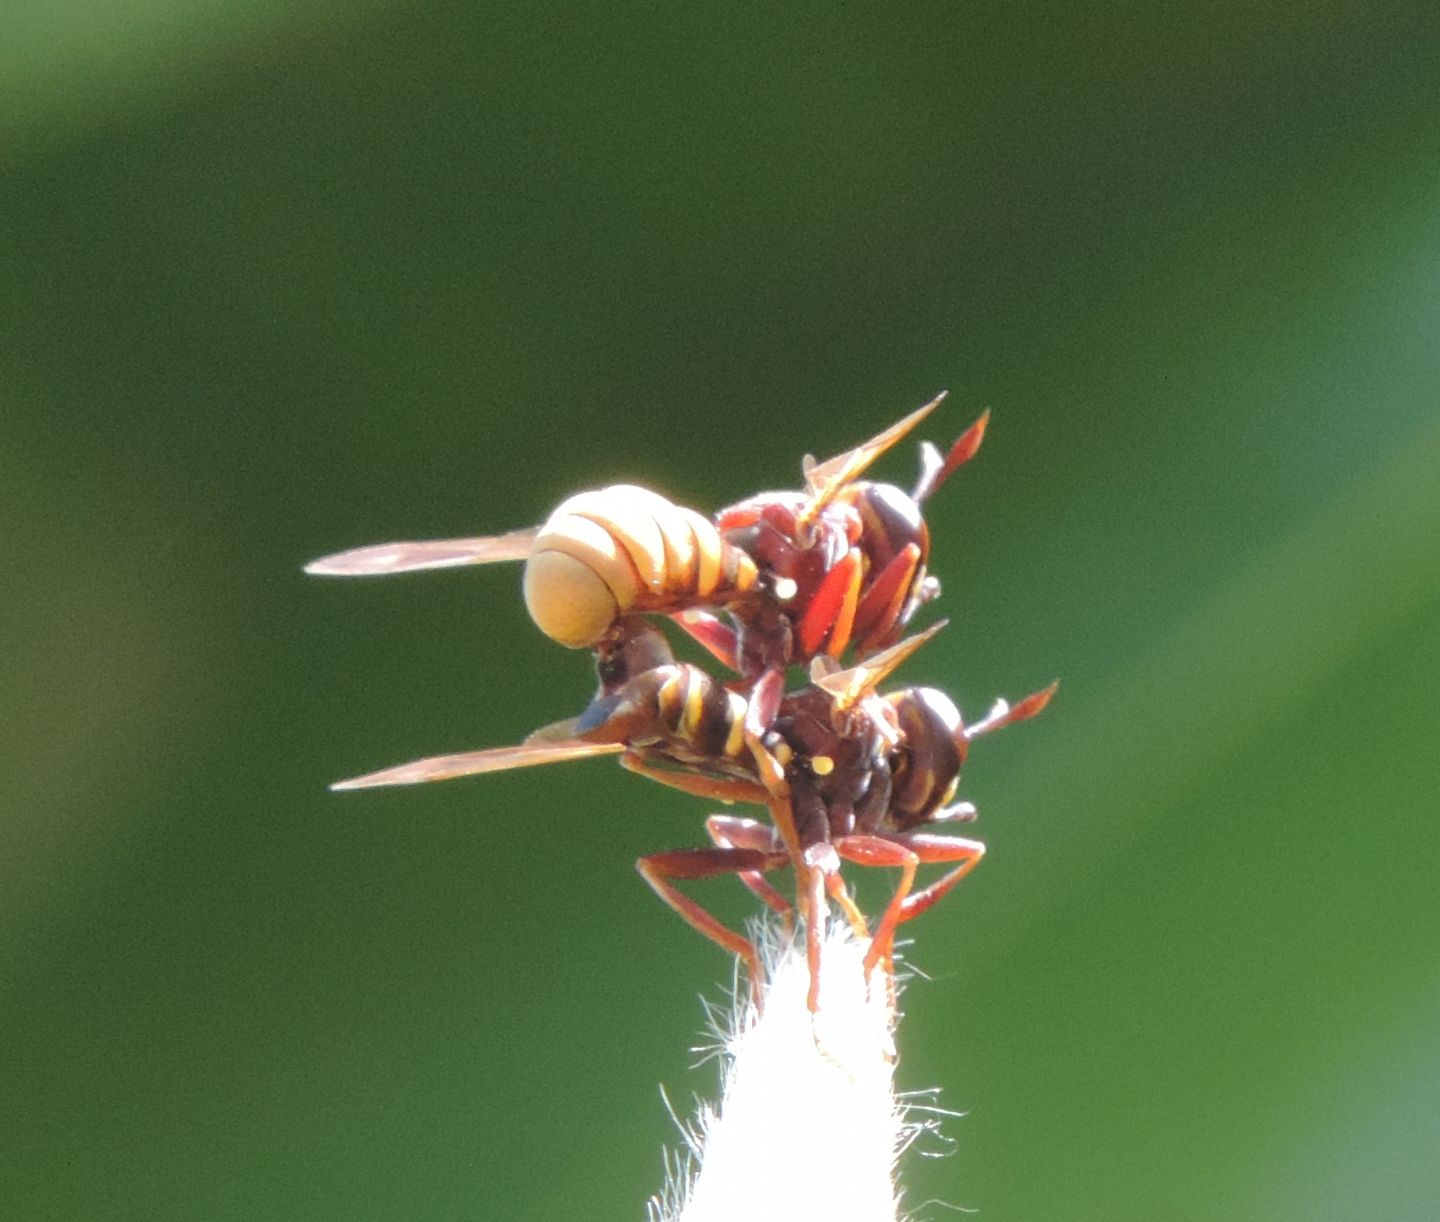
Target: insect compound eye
<point x="569" y="602"/>
<point x="891" y="520"/>
<point x="930" y="756"/>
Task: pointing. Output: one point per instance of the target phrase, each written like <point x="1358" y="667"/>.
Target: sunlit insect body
<point x="852" y="775"/>
<point x="844" y="561"/>
<point x="668" y="720"/>
<point x="799" y="574"/>
<point x="659" y="712"/>
<point x="600" y="558"/>
<point x="868" y="776"/>
<point x="847" y="774"/>
<point x="622" y="551"/>
<point x="798" y="577"/>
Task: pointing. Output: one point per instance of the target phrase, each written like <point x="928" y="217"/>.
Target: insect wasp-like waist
<point x="848" y="773"/>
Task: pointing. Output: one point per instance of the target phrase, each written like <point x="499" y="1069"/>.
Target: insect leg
<point x="810" y="884"/>
<point x="694" y="783"/>
<point x="845" y="619"/>
<point x="782" y="813"/>
<point x="777" y="798"/>
<point x="810" y="881"/>
<point x="760" y="714"/>
<point x="733" y="832"/>
<point x="717" y="638"/>
<point x="812" y="908"/>
<point x="659" y="868"/>
<point x="825" y="860"/>
<point x="828" y="603"/>
<point x="931" y="848"/>
<point x="879" y="612"/>
<point x="872" y="850"/>
<point x="835" y="885"/>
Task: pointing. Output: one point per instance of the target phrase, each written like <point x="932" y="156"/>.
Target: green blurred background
<point x="277" y="279"/>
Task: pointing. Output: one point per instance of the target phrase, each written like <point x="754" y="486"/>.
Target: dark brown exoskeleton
<point x="668" y="720"/>
<point x="655" y="710"/>
<point x="842" y="563"/>
<point x="850" y="775"/>
<point x="777" y="579"/>
<point x="800" y="574"/>
<point x="847" y="774"/>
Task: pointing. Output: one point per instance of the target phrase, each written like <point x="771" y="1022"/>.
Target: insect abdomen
<point x="701" y="714"/>
<point x="624" y="549"/>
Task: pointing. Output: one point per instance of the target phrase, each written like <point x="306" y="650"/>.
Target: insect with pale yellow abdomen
<point x="797" y="574"/>
<point x="602" y="555"/>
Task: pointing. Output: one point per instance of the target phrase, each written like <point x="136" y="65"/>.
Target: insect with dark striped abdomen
<point x="847" y="774"/>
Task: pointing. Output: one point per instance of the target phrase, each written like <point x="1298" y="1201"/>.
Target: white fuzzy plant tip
<point x="808" y="1125"/>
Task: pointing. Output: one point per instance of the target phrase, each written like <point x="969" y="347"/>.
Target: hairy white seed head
<point x="808" y="1125"/>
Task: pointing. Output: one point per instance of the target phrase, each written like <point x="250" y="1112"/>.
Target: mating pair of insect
<point x="779" y="579"/>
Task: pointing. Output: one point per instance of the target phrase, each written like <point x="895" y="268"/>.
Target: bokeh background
<point x="277" y="279"/>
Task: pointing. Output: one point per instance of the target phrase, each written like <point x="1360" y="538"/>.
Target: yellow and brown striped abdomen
<point x="701" y="715"/>
<point x="622" y="550"/>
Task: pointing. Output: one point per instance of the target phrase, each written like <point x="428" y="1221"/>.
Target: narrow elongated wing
<point x="847" y="686"/>
<point x="825" y="479"/>
<point x="557" y="733"/>
<point x="380" y="559"/>
<point x="469" y="763"/>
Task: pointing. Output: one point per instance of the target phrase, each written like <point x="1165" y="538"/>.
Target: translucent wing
<point x="847" y="686"/>
<point x="827" y="478"/>
<point x="383" y="558"/>
<point x="469" y="763"/>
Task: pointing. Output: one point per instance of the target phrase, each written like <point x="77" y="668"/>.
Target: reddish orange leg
<point x="879" y="611"/>
<point x="717" y="637"/>
<point x="932" y="848"/>
<point x="782" y="814"/>
<point x="716" y="788"/>
<point x="777" y="798"/>
<point x="835" y="885"/>
<point x="810" y="875"/>
<point x="733" y="832"/>
<point x="907" y="852"/>
<point x="812" y="900"/>
<point x="760" y="713"/>
<point x="659" y="868"/>
<point x="810" y="881"/>
<point x="869" y="850"/>
<point x="828" y="603"/>
<point x="845" y="618"/>
<point x="729" y="831"/>
<point x="824" y="865"/>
